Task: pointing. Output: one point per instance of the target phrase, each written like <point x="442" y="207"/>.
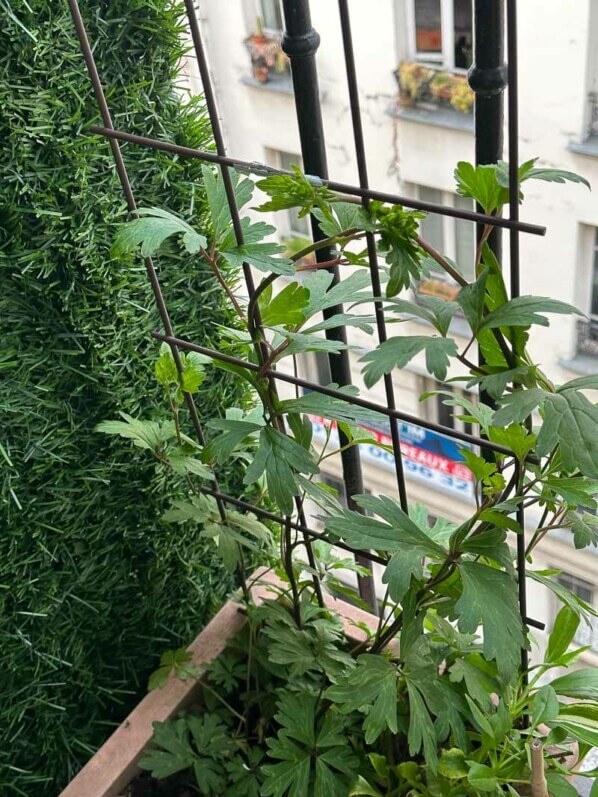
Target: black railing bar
<point x="123" y="177"/>
<point x="255" y="167"/>
<point x="513" y="128"/>
<point x="514" y="257"/>
<point x="318" y="535"/>
<point x="353" y="400"/>
<point x="300" y="43"/>
<point x="212" y="107"/>
<point x="370" y="240"/>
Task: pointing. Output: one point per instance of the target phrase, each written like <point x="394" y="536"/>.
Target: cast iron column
<point x="300" y="43"/>
<point x="488" y="79"/>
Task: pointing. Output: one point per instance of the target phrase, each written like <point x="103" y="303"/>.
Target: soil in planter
<point x="146" y="786"/>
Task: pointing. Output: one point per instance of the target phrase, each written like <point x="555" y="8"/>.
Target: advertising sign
<point x="428" y="457"/>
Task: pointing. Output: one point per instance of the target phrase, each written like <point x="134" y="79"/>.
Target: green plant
<point x="426" y="706"/>
<point x="92" y="581"/>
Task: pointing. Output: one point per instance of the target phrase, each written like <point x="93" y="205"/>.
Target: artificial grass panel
<point x="92" y="585"/>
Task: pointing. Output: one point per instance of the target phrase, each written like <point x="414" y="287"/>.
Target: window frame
<point x="259" y="12"/>
<point x="578" y="581"/>
<point x="446" y="58"/>
<point x="449" y="227"/>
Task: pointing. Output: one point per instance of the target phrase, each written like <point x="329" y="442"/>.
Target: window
<point x="585" y="634"/>
<point x="587" y="292"/>
<point x="441" y="32"/>
<point x="271" y="14"/>
<point x="452" y="237"/>
<point x="293" y="226"/>
<point x="437" y="411"/>
<point x="315" y="367"/>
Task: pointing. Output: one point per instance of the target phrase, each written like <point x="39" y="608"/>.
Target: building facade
<point x="414" y="137"/>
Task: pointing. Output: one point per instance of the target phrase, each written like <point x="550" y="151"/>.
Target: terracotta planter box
<point x="115" y="764"/>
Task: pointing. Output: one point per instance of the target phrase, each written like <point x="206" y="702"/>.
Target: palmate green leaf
<point x="176" y="753"/>
<point x="517" y="406"/>
<point x="346" y="216"/>
<point x="370" y="688"/>
<point x="495" y="384"/>
<point x="570" y="419"/>
<point x="554" y="176"/>
<point x="329" y="407"/>
<point x="244" y="775"/>
<point x="323" y="294"/>
<point x="294" y="191"/>
<point x="490" y="600"/>
<point x="397" y="352"/>
<point x="301" y="342"/>
<point x="575" y="490"/>
<point x="422" y="733"/>
<point x="151" y="435"/>
<point x="396" y="533"/>
<point x="474" y="413"/>
<point x="177" y="662"/>
<point x="479" y="682"/>
<point x="286" y="308"/>
<point x="218" y="201"/>
<point x="403" y="566"/>
<point x="480" y="183"/>
<point x="315" y="756"/>
<point x="584" y="526"/>
<point x="525" y="310"/>
<point x="183" y="459"/>
<point x="316" y="647"/>
<point x="279" y="455"/>
<point x="261" y="255"/>
<point x="234" y="432"/>
<point x="149" y="232"/>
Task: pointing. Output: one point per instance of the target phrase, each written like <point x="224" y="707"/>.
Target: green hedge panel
<point x="92" y="585"/>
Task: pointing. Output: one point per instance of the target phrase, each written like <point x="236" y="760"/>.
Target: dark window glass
<point x="464" y="238"/>
<point x="431" y="226"/>
<point x="463" y="33"/>
<point x="594" y="302"/>
<point x="428" y="26"/>
<point x="271" y="14"/>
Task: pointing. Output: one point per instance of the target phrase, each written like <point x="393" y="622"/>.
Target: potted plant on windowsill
<point x="420" y="703"/>
<point x="420" y="83"/>
<point x="266" y="54"/>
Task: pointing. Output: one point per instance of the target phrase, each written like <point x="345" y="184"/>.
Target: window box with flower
<point x="267" y="57"/>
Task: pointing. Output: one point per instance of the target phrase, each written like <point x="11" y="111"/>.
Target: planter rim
<point x="115" y="764"/>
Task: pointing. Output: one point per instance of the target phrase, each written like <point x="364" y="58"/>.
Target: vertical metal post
<point x="300" y="43"/>
<point x="488" y="79"/>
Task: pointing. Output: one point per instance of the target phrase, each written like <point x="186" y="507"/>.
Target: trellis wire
<point x="364" y="193"/>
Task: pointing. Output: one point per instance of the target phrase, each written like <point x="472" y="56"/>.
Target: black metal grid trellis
<point x="488" y="77"/>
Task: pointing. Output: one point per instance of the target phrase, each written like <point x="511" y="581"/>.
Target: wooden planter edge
<point x="115" y="764"/>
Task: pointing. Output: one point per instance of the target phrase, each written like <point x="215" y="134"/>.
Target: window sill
<point x="585" y="364"/>
<point x="280" y="84"/>
<point x="587" y="147"/>
<point x="437" y="117"/>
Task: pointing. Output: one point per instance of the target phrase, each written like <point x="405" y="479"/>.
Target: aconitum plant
<point x="436" y="701"/>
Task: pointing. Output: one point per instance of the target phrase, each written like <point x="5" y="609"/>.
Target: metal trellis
<point x="488" y="77"/>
